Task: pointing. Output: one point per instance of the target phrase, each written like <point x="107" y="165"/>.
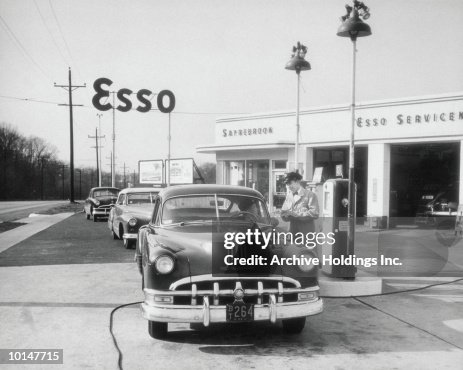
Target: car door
<point x="87" y="203"/>
<point x="118" y="210"/>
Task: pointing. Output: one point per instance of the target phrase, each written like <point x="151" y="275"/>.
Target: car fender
<point x="124" y="229"/>
<point x="141" y="241"/>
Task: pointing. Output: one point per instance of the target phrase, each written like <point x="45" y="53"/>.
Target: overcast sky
<point x="218" y="57"/>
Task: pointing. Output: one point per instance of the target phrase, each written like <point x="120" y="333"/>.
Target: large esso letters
<point x="165" y="98"/>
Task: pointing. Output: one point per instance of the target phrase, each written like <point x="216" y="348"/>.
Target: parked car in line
<point x="98" y="202"/>
<point x="443" y="204"/>
<point x="180" y="255"/>
<point x="133" y="209"/>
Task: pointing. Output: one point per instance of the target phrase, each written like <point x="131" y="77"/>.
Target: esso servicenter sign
<point x="165" y="98"/>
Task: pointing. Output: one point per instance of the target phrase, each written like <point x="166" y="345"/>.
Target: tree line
<point x="31" y="170"/>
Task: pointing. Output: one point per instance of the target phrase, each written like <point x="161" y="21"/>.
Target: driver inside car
<point x="248" y="210"/>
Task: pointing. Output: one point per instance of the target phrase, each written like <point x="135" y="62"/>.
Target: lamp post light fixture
<point x="352" y="26"/>
<point x="298" y="64"/>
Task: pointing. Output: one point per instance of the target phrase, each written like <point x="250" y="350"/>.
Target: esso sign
<point x="125" y="102"/>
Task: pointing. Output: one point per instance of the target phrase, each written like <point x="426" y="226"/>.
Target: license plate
<point x="240" y="311"/>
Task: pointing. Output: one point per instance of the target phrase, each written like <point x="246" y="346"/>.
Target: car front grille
<point x="105" y="206"/>
<point x="257" y="290"/>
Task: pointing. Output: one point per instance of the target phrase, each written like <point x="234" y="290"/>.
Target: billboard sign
<point x="181" y="171"/>
<point x="151" y="172"/>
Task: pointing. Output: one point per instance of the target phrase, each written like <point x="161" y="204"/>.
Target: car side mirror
<point x="453" y="205"/>
<point x="274" y="221"/>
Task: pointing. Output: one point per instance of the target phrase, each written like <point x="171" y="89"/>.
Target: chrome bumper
<point x="101" y="211"/>
<point x="207" y="314"/>
<point x="129" y="236"/>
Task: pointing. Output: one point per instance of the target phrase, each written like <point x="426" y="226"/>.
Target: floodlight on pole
<point x="298" y="63"/>
<point x="353" y="27"/>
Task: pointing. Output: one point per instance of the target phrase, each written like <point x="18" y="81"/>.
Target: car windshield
<point x="104" y="193"/>
<point x="140" y="198"/>
<point x="447" y="196"/>
<point x="214" y="208"/>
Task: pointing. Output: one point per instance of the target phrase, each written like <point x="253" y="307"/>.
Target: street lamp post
<point x="298" y="64"/>
<point x="352" y="26"/>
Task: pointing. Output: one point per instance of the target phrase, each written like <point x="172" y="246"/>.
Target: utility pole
<point x="98" y="150"/>
<point x="134" y="178"/>
<point x="125" y="182"/>
<point x="70" y="88"/>
<point x="42" y="160"/>
<point x="62" y="178"/>
<point x="80" y="182"/>
<point x="113" y="176"/>
<point x="169" y="138"/>
<point x="100" y="182"/>
<point x="113" y="155"/>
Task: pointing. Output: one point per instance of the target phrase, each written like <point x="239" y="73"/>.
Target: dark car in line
<point x="98" y="202"/>
<point x="133" y="209"/>
<point x="432" y="208"/>
<point x="180" y="255"/>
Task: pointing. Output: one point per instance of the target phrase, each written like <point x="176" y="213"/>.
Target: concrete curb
<point x="333" y="287"/>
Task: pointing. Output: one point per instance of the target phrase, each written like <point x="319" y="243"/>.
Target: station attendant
<point x="300" y="207"/>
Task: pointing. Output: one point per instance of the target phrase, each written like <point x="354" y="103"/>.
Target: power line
<point x="90" y="107"/>
<point x="61" y="33"/>
<point x="11" y="34"/>
<point x="66" y="44"/>
<point x="28" y="99"/>
<point x="50" y="33"/>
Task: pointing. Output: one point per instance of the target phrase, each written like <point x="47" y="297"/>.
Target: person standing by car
<point x="300" y="207"/>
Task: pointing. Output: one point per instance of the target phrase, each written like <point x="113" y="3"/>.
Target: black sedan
<point x="191" y="274"/>
<point x="98" y="202"/>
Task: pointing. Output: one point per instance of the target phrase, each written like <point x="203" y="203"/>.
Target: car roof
<point x="104" y="188"/>
<point x="139" y="190"/>
<point x="200" y="189"/>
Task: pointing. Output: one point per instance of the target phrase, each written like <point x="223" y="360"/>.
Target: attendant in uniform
<point x="300" y="207"/>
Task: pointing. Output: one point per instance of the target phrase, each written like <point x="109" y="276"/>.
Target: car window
<point x="155" y="219"/>
<point x="140" y="198"/>
<point x="449" y="195"/>
<point x="103" y="193"/>
<point x="208" y="207"/>
<point x="121" y="199"/>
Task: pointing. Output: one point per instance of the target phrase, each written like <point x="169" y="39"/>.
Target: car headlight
<point x="164" y="264"/>
<point x="97" y="202"/>
<point x="305" y="265"/>
<point x="132" y="221"/>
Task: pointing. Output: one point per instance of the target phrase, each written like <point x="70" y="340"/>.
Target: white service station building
<point x="405" y="148"/>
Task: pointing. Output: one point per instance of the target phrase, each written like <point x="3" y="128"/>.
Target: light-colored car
<point x="132" y="210"/>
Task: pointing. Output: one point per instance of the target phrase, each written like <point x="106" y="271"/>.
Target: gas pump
<point x="334" y="213"/>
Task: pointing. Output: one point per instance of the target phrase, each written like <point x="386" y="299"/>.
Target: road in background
<point x="10" y="211"/>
